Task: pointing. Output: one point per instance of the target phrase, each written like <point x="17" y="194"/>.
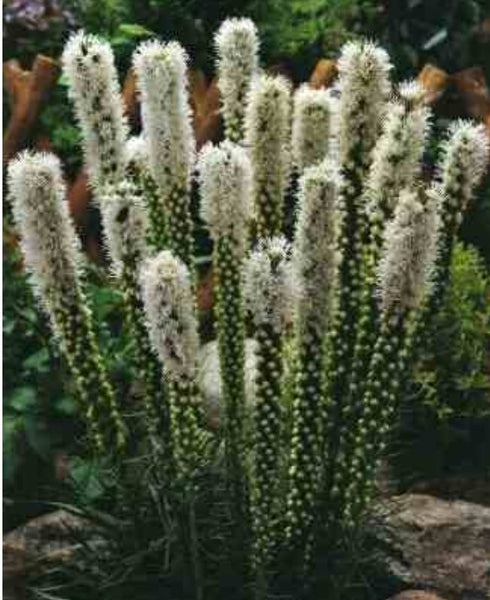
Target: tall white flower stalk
<point x="315" y="267"/>
<point x="397" y="157"/>
<point x="138" y="171"/>
<point x="53" y="259"/>
<point x="396" y="165"/>
<point x="172" y="326"/>
<point x="364" y="88"/>
<point x="267" y="137"/>
<point x="224" y="176"/>
<point x="269" y="294"/>
<point x="237" y="47"/>
<point x="464" y="162"/>
<point x="404" y="277"/>
<point x="126" y="227"/>
<point x="88" y="65"/>
<point x="167" y="125"/>
<point x="312" y="126"/>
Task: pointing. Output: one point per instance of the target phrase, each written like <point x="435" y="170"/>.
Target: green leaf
<point x="86" y="478"/>
<point x="37" y="436"/>
<point x="133" y="31"/>
<point x="22" y="399"/>
<point x="67" y="405"/>
<point x="39" y="361"/>
<point x="8" y="326"/>
<point x="12" y="425"/>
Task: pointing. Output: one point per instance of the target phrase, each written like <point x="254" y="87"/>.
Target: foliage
<point x="455" y="375"/>
<point x="447" y="409"/>
<point x="38" y="408"/>
<point x="423" y="31"/>
<point x="41" y="426"/>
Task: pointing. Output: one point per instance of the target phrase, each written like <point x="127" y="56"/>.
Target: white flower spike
<point x="268" y="131"/>
<point x="88" y="64"/>
<point x="126" y="225"/>
<point x="49" y="243"/>
<point x="161" y="70"/>
<point x="225" y="179"/>
<point x="312" y="126"/>
<point x="410" y="251"/>
<point x="169" y="306"/>
<point x="364" y="87"/>
<point x="269" y="288"/>
<point x="237" y="47"/>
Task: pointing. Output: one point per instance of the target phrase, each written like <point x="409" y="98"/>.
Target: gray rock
<point x="437" y="545"/>
<point x="39" y="544"/>
<point x="416" y="595"/>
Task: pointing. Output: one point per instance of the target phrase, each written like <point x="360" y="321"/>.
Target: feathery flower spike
<point x="167" y="125"/>
<point x="312" y="127"/>
<point x="404" y="277"/>
<point x="172" y="327"/>
<point x="268" y="130"/>
<point x="53" y="259"/>
<point x="224" y="176"/>
<point x="237" y="47"/>
<point x="126" y="226"/>
<point x="269" y="294"/>
<point x="315" y="267"/>
<point x="88" y="64"/>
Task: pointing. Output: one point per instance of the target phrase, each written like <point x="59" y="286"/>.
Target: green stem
<point x="231" y="341"/>
<point x="179" y="225"/>
<point x="267" y="420"/>
<point x="147" y="363"/>
<point x="95" y="393"/>
<point x="307" y="438"/>
<point x="147" y="186"/>
<point x="380" y="402"/>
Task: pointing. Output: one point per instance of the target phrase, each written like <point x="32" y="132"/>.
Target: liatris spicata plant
<point x="315" y="268"/>
<point x="404" y="277"/>
<point x="88" y="64"/>
<point x="126" y="228"/>
<point x="167" y="125"/>
<point x="237" y="47"/>
<point x="336" y="312"/>
<point x="269" y="294"/>
<point x="53" y="258"/>
<point x="224" y="174"/>
<point x="396" y="165"/>
<point x="172" y="326"/>
<point x="364" y="88"/>
<point x="267" y="126"/>
<point x="465" y="159"/>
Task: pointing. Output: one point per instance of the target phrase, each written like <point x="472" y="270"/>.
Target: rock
<point x="471" y="489"/>
<point x="416" y="595"/>
<point x="37" y="545"/>
<point x="438" y="545"/>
